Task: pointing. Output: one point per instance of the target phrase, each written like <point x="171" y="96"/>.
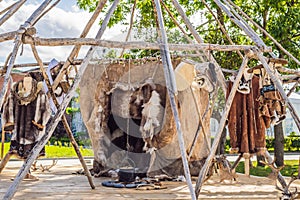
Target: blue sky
<point x="65" y="20"/>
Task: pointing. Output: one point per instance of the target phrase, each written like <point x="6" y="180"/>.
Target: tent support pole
<point x="215" y="144"/>
<point x="172" y="90"/>
<point x="64" y="119"/>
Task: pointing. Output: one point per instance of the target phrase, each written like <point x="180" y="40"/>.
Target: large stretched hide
<point x="126" y="109"/>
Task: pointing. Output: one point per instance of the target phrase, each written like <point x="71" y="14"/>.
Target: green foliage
<point x="280" y="18"/>
<point x="71" y="110"/>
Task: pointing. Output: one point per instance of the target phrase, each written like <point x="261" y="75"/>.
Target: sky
<point x="64" y="20"/>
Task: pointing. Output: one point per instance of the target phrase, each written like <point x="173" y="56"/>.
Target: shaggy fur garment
<point x="27" y="118"/>
<point x="245" y="124"/>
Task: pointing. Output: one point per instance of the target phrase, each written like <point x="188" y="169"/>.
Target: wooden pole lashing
<point x="215" y="144"/>
<point x="172" y="90"/>
<point x="60" y="111"/>
<point x="18" y="42"/>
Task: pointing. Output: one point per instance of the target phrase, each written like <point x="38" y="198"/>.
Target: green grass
<point x="69" y="152"/>
<point x="59" y="151"/>
<point x="291" y="166"/>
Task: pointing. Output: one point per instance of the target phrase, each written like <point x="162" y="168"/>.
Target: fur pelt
<point x="152" y="116"/>
<point x="245" y="124"/>
<point x="29" y="118"/>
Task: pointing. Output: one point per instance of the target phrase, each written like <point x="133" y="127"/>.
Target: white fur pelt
<point x="151" y="114"/>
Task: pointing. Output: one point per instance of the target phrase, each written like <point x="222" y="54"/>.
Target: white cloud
<point x="62" y="21"/>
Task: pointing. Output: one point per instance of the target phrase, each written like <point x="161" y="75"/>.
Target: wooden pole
<point x="8" y="36"/>
<point x="279" y="88"/>
<point x="130" y="26"/>
<point x="172" y="90"/>
<point x="2" y="142"/>
<point x="265" y="32"/>
<point x="221" y="27"/>
<point x="8" y="8"/>
<point x="180" y="27"/>
<point x="45" y="12"/>
<point x="200" y="127"/>
<point x="64" y="119"/>
<point x="215" y="144"/>
<point x="5" y="160"/>
<point x="210" y="57"/>
<point x="132" y="45"/>
<point x="235" y="17"/>
<point x="3" y="131"/>
<point x="60" y="111"/>
<point x="18" y="42"/>
<point x="12" y="10"/>
<point x="280" y="178"/>
<point x="247" y="163"/>
<point x="77" y="47"/>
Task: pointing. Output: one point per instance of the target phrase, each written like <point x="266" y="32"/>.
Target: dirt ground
<point x="62" y="183"/>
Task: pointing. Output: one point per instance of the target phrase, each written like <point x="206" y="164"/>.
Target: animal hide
<point x="245" y="124"/>
<point x="152" y="115"/>
<point x="28" y="116"/>
<point x="166" y="159"/>
<point x="272" y="105"/>
<point x="136" y="93"/>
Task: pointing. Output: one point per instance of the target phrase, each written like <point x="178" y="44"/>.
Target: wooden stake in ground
<point x="53" y="123"/>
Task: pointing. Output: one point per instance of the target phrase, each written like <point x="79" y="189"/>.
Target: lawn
<point x="291" y="166"/>
<point x="53" y="151"/>
<point x="60" y="151"/>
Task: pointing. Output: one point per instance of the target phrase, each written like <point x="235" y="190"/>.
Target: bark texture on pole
<point x="77" y="47"/>
<point x="172" y="90"/>
<point x="64" y="119"/>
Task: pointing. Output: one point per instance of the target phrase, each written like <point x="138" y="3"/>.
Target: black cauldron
<point x="129" y="174"/>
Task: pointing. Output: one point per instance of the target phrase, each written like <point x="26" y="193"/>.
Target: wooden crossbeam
<point x="134" y="45"/>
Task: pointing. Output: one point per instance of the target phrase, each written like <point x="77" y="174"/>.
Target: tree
<point x="280" y="18"/>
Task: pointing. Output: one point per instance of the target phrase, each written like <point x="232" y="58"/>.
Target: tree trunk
<point x="279" y="145"/>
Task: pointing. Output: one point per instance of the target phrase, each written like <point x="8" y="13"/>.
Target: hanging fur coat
<point x="245" y="124"/>
<point x="26" y="116"/>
